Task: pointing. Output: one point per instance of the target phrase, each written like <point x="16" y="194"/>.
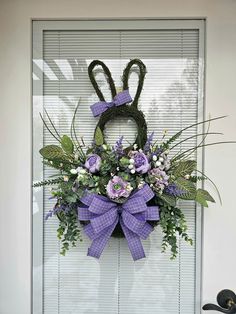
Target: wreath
<point x="116" y="191"/>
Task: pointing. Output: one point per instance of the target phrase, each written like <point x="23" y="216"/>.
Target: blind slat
<point x="114" y="284"/>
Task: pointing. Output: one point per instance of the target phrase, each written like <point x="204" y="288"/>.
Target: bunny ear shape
<point x="141" y="75"/>
<point x="108" y="77"/>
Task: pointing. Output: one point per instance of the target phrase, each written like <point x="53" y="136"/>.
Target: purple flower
<point x="173" y="190"/>
<point x="159" y="151"/>
<point x="160" y="178"/>
<point x="118" y="188"/>
<point x="118" y="147"/>
<point x="56" y="209"/>
<point x="148" y="144"/>
<point x="93" y="163"/>
<point x="141" y="163"/>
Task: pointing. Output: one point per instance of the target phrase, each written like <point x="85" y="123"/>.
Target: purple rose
<point x="141" y="163"/>
<point x="118" y="188"/>
<point x="93" y="163"/>
<point x="161" y="178"/>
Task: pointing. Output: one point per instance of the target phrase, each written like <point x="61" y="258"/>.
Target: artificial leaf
<point x="98" y="136"/>
<point x="202" y="196"/>
<point x="169" y="199"/>
<point x="206" y="194"/>
<point x="51" y="152"/>
<point x="71" y="198"/>
<point x="184" y="168"/>
<point x="188" y="187"/>
<point x="67" y="144"/>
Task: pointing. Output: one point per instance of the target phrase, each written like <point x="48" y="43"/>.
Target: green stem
<point x="193" y="136"/>
<point x="199" y="146"/>
<point x="174" y="137"/>
<point x="52" y="123"/>
<point x="45" y="124"/>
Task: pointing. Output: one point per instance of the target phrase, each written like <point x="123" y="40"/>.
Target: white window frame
<point x="37" y="89"/>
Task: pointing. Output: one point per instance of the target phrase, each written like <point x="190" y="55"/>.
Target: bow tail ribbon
<point x="100" y="241"/>
<point x="134" y="243"/>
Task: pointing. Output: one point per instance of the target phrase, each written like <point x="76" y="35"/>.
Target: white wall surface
<point x="219" y="254"/>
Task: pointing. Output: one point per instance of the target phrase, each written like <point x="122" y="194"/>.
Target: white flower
<point x="79" y="169"/>
<point x="117" y="168"/>
<point x="132" y="171"/>
<point x="141" y="184"/>
<point x="82" y="171"/>
<point x="135" y="146"/>
<point x="129" y="188"/>
<point x="66" y="178"/>
<point x="130" y="166"/>
<point x="187" y="176"/>
<point x="73" y="171"/>
<point x="161" y="159"/>
<point x="61" y="164"/>
<point x="158" y="163"/>
<point x="131" y="161"/>
<point x="104" y="146"/>
<point x="154" y="158"/>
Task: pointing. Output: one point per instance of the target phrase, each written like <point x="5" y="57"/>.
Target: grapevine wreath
<point x="113" y="191"/>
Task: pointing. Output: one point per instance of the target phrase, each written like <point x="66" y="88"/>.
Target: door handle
<point x="226" y="300"/>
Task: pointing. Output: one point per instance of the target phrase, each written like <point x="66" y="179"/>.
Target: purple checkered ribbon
<point x="120" y="99"/>
<point x="104" y="215"/>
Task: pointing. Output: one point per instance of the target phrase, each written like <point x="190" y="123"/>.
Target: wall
<point x="15" y="124"/>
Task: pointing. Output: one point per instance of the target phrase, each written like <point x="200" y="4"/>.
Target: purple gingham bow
<point x="132" y="215"/>
<point x="120" y="99"/>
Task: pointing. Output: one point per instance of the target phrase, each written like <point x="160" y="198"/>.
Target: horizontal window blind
<point x="115" y="284"/>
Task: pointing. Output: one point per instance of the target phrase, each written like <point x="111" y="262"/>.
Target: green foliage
<point x="173" y="223"/>
<point x="188" y="187"/>
<point x="102" y="184"/>
<point x="202" y="196"/>
<point x="124" y="161"/>
<point x="68" y="231"/>
<point x="48" y="182"/>
<point x="52" y="152"/>
<point x="61" y="165"/>
<point x="173" y="139"/>
<point x="195" y="179"/>
<point x="98" y="137"/>
<point x="67" y="144"/>
<point x="184" y="168"/>
<point x="169" y="199"/>
<point x="105" y="168"/>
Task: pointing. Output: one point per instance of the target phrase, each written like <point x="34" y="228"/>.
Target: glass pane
<point x="114" y="284"/>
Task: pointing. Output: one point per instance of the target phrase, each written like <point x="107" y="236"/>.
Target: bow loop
<point x="100" y="206"/>
<point x="135" y="205"/>
<point x="120" y="99"/>
<point x="103" y="221"/>
<point x="140" y="227"/>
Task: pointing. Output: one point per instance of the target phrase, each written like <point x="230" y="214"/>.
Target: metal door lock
<point x="226" y="300"/>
